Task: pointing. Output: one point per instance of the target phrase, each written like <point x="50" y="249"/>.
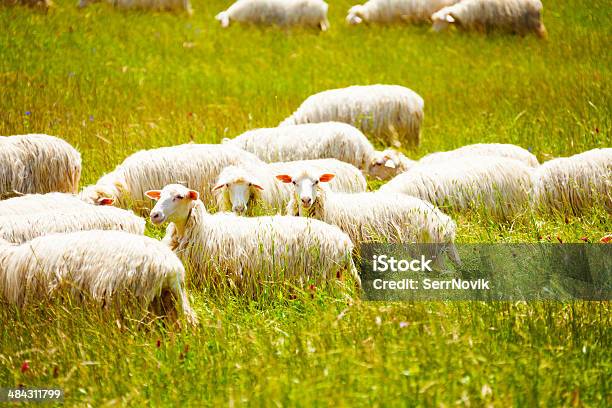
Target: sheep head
<point x="239" y="186"/>
<point x="306" y="186"/>
<point x="355" y="15"/>
<point x="174" y="202"/>
<point x="442" y="19"/>
<point x="387" y="164"/>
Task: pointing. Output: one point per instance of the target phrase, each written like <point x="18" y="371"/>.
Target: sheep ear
<point x="450" y="18"/>
<point x="105" y="201"/>
<point x="326" y="177"/>
<point x="390" y="164"/>
<point x="193" y="195"/>
<point x="257" y="186"/>
<point x="153" y="194"/>
<point x="217" y="187"/>
<point x="284" y="178"/>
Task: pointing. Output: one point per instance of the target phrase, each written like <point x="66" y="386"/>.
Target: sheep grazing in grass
<point x="395" y="11"/>
<point x="33" y="203"/>
<point x="574" y="183"/>
<point x="498" y="185"/>
<point x="484" y="149"/>
<point x="390" y="113"/>
<point x="38" y="164"/>
<point x="320" y="141"/>
<point x="518" y="16"/>
<point x="25" y="227"/>
<point x="112" y="268"/>
<point x="157" y="5"/>
<point x="195" y="165"/>
<point x="308" y="13"/>
<point x="247" y="251"/>
<point x="388" y="163"/>
<point x="239" y="189"/>
<point x="370" y="217"/>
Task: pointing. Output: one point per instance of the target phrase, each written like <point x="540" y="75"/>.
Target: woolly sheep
<point x="484" y="149"/>
<point x="37" y="163"/>
<point x="575" y="183"/>
<point x="519" y="16"/>
<point x="33" y="203"/>
<point x="372" y="216"/>
<point x="196" y="165"/>
<point x="25" y="227"/>
<point x="319" y="141"/>
<point x="497" y="184"/>
<point x="395" y="11"/>
<point x="238" y="188"/>
<point x="391" y="113"/>
<point x="309" y="13"/>
<point x="245" y="249"/>
<point x="159" y="5"/>
<point x="111" y="268"/>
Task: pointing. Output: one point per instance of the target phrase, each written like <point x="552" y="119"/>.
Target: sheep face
<point x="239" y="188"/>
<point x="174" y="202"/>
<point x="224" y="18"/>
<point x="240" y="193"/>
<point x="97" y="195"/>
<point x="441" y="20"/>
<point x="385" y="165"/>
<point x="355" y="15"/>
<point x="306" y="186"/>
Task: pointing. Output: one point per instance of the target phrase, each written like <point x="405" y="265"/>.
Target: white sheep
<point x="391" y="113"/>
<point x="484" y="149"/>
<point x="320" y="141"/>
<point x="574" y="183"/>
<point x="111" y="268"/>
<point x="239" y="188"/>
<point x="308" y="13"/>
<point x="25" y="227"/>
<point x="250" y="250"/>
<point x="195" y="165"/>
<point x="159" y="5"/>
<point x="33" y="203"/>
<point x="372" y="216"/>
<point x="38" y="163"/>
<point x="518" y="16"/>
<point x="395" y="11"/>
<point x="499" y="185"/>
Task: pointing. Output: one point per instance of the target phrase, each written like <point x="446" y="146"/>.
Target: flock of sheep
<point x="518" y="16"/>
<point x="307" y="174"/>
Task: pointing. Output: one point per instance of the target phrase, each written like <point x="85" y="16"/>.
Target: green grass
<point x="113" y="82"/>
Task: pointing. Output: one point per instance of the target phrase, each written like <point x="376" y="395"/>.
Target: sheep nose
<point x="156" y="216"/>
<point x="306" y="201"/>
<point x="239" y="208"/>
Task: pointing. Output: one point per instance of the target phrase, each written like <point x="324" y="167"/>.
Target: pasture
<point x="112" y="82"/>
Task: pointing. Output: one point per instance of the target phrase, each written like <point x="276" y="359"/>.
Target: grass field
<point x="113" y="82"/>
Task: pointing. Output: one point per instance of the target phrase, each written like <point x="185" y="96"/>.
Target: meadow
<point x="113" y="82"/>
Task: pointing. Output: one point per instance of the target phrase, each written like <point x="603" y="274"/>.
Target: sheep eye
<point x="316" y="182"/>
<point x="250" y="184"/>
<point x="294" y="183"/>
<point x="180" y="197"/>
